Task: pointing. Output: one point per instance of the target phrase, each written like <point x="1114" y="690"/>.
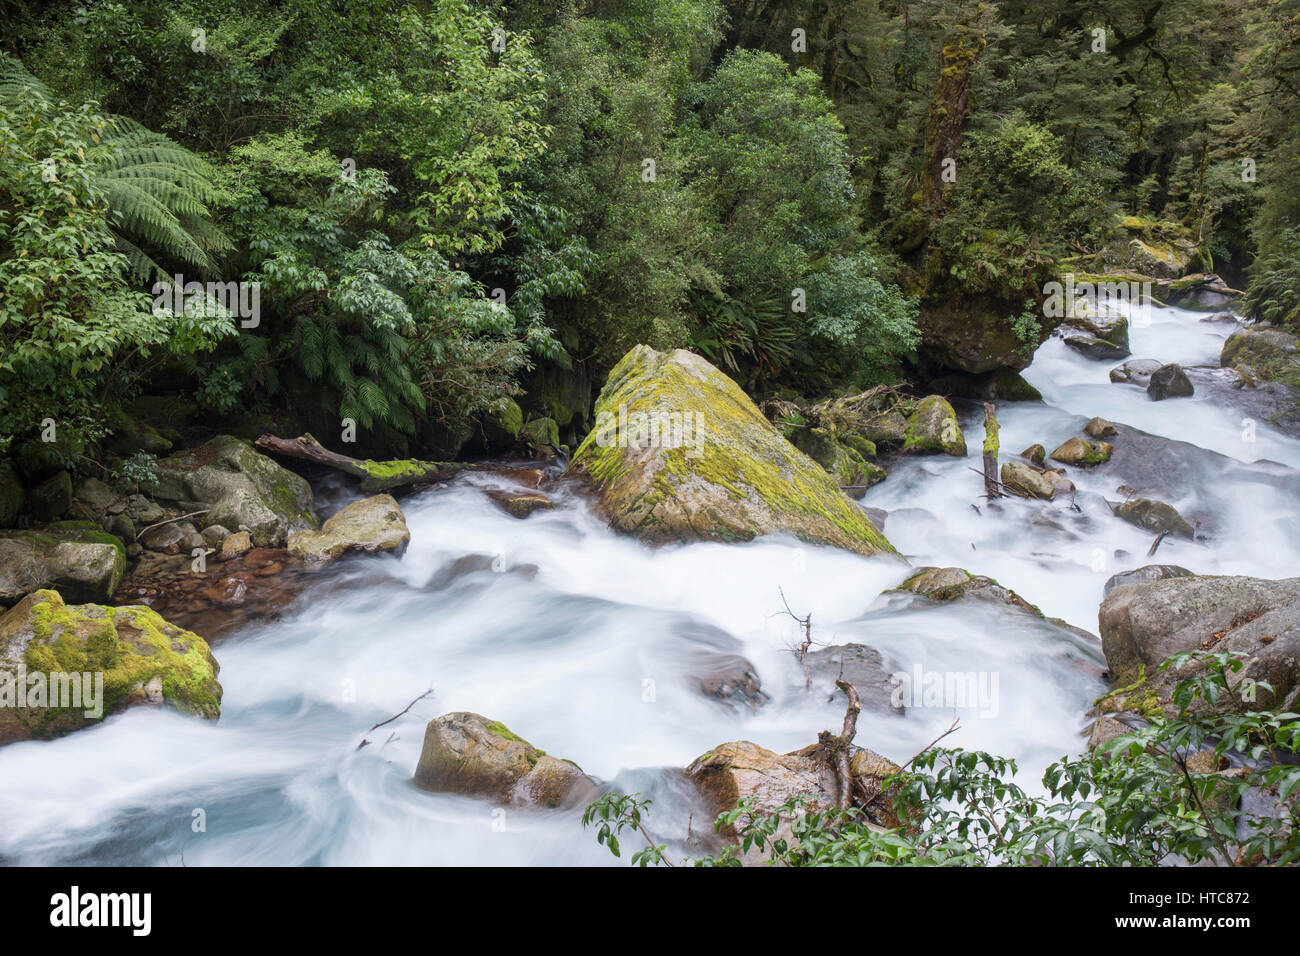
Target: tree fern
<point x="157" y="190"/>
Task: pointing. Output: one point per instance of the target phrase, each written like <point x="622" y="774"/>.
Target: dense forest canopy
<point x="460" y="214"/>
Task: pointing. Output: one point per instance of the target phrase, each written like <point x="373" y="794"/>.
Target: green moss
<point x="130" y="646"/>
<point x="1140" y="696"/>
<point x="737" y="452"/>
<point x="991" y="436"/>
<point x="531" y="754"/>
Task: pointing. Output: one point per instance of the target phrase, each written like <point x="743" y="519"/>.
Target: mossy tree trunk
<point x="992" y="487"/>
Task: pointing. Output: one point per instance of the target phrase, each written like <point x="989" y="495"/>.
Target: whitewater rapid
<point x="581" y="641"/>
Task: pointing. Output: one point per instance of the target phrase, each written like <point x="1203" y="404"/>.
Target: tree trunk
<point x="374" y="475"/>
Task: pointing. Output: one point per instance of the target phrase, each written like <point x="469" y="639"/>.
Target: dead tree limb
<point x="401" y="713"/>
<point x="159" y="524"/>
<point x="844" y="745"/>
<point x="374" y="475"/>
<point x="806" y="624"/>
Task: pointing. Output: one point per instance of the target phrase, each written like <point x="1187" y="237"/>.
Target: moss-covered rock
<point x="974" y="334"/>
<point x="238" y="486"/>
<point x="1160" y="249"/>
<point x="467" y="753"/>
<point x="52" y="498"/>
<point x="1082" y="453"/>
<point x="1265" y="354"/>
<point x="129" y="436"/>
<point x="541" y="434"/>
<point x="722" y="472"/>
<point x="85" y="565"/>
<point x="933" y="430"/>
<point x="951" y="584"/>
<point x="143" y="660"/>
<point x="843" y="459"/>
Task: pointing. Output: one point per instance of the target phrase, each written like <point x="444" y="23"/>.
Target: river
<point x="582" y="641"/>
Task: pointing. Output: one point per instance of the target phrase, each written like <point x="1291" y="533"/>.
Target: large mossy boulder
<point x="1159" y="249"/>
<point x="680" y="453"/>
<point x="1263" y="354"/>
<point x="239" y="487"/>
<point x="144" y="660"/>
<point x="468" y="754"/>
<point x="973" y="334"/>
<point x="1145" y="622"/>
<point x="85" y="566"/>
<point x="932" y="429"/>
<point x="370" y="525"/>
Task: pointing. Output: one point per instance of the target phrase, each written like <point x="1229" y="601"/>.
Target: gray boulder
<point x="1144" y="623"/>
<point x="238" y="486"/>
<point x="1135" y="372"/>
<point x="1169" y="381"/>
<point x="84" y="566"/>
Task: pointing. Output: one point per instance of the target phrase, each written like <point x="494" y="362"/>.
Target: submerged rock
<point x="1095" y="345"/>
<point x="520" y="506"/>
<point x="1154" y="516"/>
<point x="718" y="470"/>
<point x="1144" y="623"/>
<point x="239" y="487"/>
<point x="1151" y="572"/>
<point x="950" y="584"/>
<point x="1135" y="372"/>
<point x="369" y="525"/>
<point x="468" y="754"/>
<point x="143" y="660"/>
<point x="86" y="566"/>
<point x="1169" y="381"/>
<point x="861" y="666"/>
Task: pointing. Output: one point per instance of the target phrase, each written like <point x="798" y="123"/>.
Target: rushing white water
<point x="584" y="642"/>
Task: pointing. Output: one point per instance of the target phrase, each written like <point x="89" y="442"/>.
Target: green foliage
<point x="69" y="315"/>
<point x="1136" y="801"/>
<point x="1274" y="290"/>
<point x="158" y="192"/>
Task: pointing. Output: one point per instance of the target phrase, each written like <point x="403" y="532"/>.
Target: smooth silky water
<point x="582" y="641"/>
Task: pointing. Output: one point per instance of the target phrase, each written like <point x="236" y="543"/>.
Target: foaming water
<point x="588" y="644"/>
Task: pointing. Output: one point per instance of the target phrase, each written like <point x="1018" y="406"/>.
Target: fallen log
<point x="374" y="475"/>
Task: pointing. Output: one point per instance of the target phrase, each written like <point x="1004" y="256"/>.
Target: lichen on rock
<point x="724" y="473"/>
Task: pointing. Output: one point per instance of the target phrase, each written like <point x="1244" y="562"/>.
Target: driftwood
<point x="374" y="475"/>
